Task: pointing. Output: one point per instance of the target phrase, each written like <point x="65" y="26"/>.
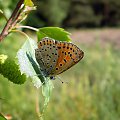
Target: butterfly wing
<point x="69" y="55"/>
<point x="46" y="55"/>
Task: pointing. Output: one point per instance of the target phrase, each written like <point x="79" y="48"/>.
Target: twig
<point x="5" y="31"/>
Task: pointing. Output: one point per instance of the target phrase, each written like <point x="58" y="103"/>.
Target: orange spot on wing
<point x="60" y="53"/>
<point x="67" y="58"/>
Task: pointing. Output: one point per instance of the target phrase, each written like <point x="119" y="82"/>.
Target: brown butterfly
<point x="55" y="57"/>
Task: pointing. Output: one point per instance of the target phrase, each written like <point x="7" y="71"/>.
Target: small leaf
<point x="27" y="8"/>
<point x="54" y="32"/>
<point x="2" y="117"/>
<point x="9" y="69"/>
<point x="28" y="63"/>
<point x="28" y="3"/>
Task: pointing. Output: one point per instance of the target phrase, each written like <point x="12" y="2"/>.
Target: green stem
<point x="40" y="117"/>
<point x="21" y="33"/>
<point x="28" y="27"/>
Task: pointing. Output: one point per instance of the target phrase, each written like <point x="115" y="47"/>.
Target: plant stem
<point x="5" y="31"/>
<point x="21" y="33"/>
<point x="28" y="27"/>
<point x="40" y="117"/>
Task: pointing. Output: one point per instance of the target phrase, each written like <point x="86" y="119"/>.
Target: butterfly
<point x="54" y="57"/>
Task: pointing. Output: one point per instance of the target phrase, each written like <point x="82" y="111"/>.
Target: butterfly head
<point x="52" y="77"/>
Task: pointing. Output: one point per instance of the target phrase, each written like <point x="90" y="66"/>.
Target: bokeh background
<point x="93" y="89"/>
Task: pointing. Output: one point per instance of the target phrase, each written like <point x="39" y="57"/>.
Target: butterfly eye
<point x="52" y="77"/>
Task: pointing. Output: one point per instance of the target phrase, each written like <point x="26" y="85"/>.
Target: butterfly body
<point x="55" y="57"/>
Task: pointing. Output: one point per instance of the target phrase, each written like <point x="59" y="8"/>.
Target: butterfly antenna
<point x="61" y="80"/>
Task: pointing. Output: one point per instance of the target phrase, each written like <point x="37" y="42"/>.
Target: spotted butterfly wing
<point x="69" y="55"/>
<point x="55" y="57"/>
<point x="46" y="55"/>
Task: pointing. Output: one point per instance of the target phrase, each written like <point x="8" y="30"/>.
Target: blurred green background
<point x="93" y="89"/>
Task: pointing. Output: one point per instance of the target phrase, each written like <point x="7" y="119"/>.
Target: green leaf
<point x="2" y="117"/>
<point x="53" y="32"/>
<point x="29" y="66"/>
<point x="28" y="3"/>
<point x="28" y="63"/>
<point x="46" y="91"/>
<point x="10" y="70"/>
